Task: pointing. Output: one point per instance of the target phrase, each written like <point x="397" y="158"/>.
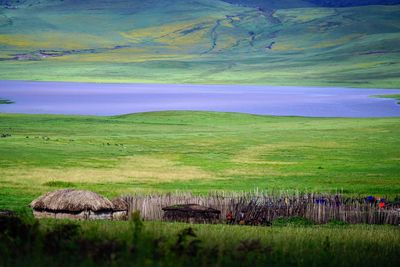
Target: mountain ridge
<point x="199" y="41"/>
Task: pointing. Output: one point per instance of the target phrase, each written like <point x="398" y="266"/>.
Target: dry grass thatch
<point x="120" y="204"/>
<point x="70" y="200"/>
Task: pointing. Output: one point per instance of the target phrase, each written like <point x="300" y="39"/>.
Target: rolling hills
<point x="200" y="41"/>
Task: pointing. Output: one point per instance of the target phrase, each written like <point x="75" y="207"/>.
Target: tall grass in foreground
<point x="137" y="243"/>
<point x="260" y="208"/>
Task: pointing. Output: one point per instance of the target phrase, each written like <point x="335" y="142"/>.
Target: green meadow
<point x="204" y="41"/>
<point x="198" y="152"/>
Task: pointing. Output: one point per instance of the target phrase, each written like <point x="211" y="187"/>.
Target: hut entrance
<point x="191" y="213"/>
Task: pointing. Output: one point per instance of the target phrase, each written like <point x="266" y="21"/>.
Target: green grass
<point x="209" y="42"/>
<point x="198" y="152"/>
<point x="105" y="243"/>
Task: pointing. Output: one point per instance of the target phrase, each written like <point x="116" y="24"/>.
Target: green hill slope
<point x="203" y="41"/>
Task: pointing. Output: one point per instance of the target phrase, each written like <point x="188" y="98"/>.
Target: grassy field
<point x="102" y="243"/>
<point x="204" y="41"/>
<point x="208" y="42"/>
<point x="196" y="151"/>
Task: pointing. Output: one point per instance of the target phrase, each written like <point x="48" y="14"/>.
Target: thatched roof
<point x="191" y="208"/>
<point x="70" y="200"/>
<point x="120" y="204"/>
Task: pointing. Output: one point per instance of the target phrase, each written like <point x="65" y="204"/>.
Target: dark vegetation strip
<point x="28" y="242"/>
<point x="6" y="101"/>
<point x="393" y="96"/>
<point x="214" y="36"/>
<point x="42" y="54"/>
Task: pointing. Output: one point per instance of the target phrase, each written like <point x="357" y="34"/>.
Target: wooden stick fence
<point x="253" y="208"/>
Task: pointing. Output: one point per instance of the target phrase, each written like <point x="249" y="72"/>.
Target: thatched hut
<point x="191" y="213"/>
<point x="72" y="204"/>
<point x="121" y="208"/>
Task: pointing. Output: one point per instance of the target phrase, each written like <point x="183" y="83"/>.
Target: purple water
<point x="115" y="99"/>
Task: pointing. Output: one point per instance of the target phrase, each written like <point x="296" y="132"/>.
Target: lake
<point x="116" y="99"/>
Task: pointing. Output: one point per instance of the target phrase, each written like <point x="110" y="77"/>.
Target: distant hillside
<point x="349" y="3"/>
<point x="199" y="41"/>
<point x="279" y="4"/>
<point x="271" y="4"/>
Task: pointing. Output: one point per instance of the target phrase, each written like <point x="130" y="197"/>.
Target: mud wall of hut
<point x="84" y="215"/>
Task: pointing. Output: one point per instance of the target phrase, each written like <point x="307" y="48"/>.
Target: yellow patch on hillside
<point x="260" y="172"/>
<point x="225" y="42"/>
<point x="282" y="46"/>
<point x="226" y="23"/>
<point x="53" y="40"/>
<point x="336" y="42"/>
<point x="367" y="65"/>
<point x="302" y="15"/>
<point x="116" y="56"/>
<point x="174" y="34"/>
<point x="255" y="154"/>
<point x="128" y="169"/>
<point x="259" y="154"/>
